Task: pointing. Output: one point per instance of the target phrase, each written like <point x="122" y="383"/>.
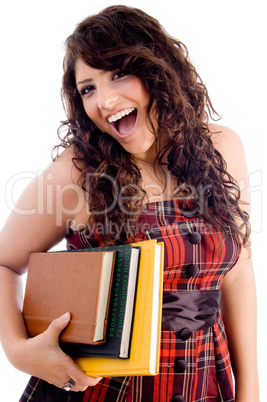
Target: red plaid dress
<point x="194" y="370"/>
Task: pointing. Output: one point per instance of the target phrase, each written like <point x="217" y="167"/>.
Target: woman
<point x="141" y="160"/>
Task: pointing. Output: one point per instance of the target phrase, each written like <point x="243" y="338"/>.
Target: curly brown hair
<point x="127" y="39"/>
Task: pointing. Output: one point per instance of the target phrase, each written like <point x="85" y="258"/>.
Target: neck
<point x="146" y="158"/>
<point x="157" y="182"/>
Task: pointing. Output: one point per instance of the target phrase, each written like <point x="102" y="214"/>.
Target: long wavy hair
<point x="127" y="39"/>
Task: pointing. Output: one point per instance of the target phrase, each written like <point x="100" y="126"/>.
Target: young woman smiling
<point x="116" y="102"/>
<point x="142" y="160"/>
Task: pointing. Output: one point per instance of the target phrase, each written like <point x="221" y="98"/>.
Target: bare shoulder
<point x="229" y="144"/>
<point x="63" y="168"/>
<point x="43" y="212"/>
<point x="225" y="139"/>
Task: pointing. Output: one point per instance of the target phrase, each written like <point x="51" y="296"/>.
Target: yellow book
<point x="145" y="346"/>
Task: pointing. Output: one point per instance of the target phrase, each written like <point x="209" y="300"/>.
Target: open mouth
<point x="124" y="122"/>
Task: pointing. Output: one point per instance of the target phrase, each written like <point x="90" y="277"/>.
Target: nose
<point x="107" y="97"/>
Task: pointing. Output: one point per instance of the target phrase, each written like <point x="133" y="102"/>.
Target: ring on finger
<point x="69" y="385"/>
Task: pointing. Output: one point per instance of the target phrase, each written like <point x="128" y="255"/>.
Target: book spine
<point x="116" y="315"/>
<point x="117" y="311"/>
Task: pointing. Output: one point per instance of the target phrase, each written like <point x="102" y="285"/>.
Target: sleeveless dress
<point x="195" y="367"/>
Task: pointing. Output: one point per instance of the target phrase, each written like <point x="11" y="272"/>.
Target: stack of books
<point x="114" y="296"/>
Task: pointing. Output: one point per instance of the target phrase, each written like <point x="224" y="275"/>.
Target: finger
<point x="72" y="385"/>
<point x="91" y="383"/>
<point x="57" y="325"/>
<point x="69" y="385"/>
<point x="81" y="379"/>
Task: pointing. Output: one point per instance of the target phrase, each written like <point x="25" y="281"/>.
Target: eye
<point x="119" y="74"/>
<point x="86" y="90"/>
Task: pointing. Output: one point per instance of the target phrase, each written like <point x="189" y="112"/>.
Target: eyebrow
<point x="88" y="80"/>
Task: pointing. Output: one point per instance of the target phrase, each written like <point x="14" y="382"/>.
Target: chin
<point x="142" y="151"/>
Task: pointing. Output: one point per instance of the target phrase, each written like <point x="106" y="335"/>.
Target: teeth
<point x="119" y="115"/>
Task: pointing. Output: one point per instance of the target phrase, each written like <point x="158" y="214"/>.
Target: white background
<point x="227" y="42"/>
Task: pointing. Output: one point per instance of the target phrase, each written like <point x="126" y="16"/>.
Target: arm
<point x="238" y="288"/>
<point x="54" y="199"/>
<point x="240" y="315"/>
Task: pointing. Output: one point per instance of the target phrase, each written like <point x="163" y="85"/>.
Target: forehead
<point x="85" y="72"/>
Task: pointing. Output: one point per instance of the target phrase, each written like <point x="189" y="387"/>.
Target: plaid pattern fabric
<point x="39" y="390"/>
<point x="30" y="390"/>
<point x="208" y="375"/>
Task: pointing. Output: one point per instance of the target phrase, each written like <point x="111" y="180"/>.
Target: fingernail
<point x="66" y="317"/>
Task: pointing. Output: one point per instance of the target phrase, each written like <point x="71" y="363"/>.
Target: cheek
<point x="142" y="92"/>
<point x="91" y="112"/>
<point x="137" y="90"/>
<point x="94" y="115"/>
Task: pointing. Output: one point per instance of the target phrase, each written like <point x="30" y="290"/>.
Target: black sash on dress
<point x="192" y="309"/>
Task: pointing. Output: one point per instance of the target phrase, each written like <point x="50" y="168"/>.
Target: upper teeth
<point x="119" y="115"/>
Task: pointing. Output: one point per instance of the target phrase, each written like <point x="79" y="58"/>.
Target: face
<point x="117" y="103"/>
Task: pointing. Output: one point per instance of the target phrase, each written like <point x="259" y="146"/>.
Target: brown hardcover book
<point x="78" y="283"/>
